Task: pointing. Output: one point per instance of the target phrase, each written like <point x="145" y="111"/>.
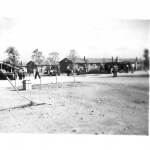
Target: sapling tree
<point x="53" y="59"/>
<point x="73" y="56"/>
<point x="38" y="57"/>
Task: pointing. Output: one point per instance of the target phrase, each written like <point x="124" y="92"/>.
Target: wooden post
<point x="15" y="78"/>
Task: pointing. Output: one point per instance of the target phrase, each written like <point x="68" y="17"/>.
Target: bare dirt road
<point x="92" y="105"/>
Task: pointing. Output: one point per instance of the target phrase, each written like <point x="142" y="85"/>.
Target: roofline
<point x="65" y="58"/>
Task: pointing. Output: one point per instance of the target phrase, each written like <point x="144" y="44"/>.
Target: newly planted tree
<point x="53" y="59"/>
<point x="86" y="62"/>
<point x="38" y="57"/>
<point x="73" y="56"/>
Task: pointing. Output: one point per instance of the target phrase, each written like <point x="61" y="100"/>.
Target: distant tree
<point x="37" y="56"/>
<point x="53" y="59"/>
<point x="73" y="56"/>
<point x="146" y="59"/>
<point x="13" y="56"/>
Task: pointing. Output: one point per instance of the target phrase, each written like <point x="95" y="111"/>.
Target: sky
<point x="61" y="26"/>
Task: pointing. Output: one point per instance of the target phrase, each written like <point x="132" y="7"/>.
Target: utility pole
<point x="14" y="69"/>
<point x="112" y="59"/>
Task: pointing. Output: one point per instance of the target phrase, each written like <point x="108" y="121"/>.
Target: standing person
<point x="78" y="70"/>
<point x="111" y="69"/>
<point x="72" y="70"/>
<point x="58" y="70"/>
<point x="100" y="68"/>
<point x="68" y="70"/>
<point x="84" y="69"/>
<point x="115" y="69"/>
<point x="37" y="73"/>
<point x="127" y="68"/>
<point x="23" y="74"/>
<point x="132" y="67"/>
<point x="20" y="74"/>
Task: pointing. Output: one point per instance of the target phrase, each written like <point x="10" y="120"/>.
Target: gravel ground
<point x="118" y="106"/>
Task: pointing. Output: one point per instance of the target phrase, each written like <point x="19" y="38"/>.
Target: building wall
<point x="30" y="67"/>
<point x="63" y="65"/>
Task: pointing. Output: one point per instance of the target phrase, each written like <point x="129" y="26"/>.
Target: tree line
<point x="53" y="57"/>
<point x="14" y="56"/>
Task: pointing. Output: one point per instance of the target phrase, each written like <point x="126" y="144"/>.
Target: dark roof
<point x="95" y="60"/>
<point x="103" y="60"/>
<point x="98" y="60"/>
<point x="11" y="66"/>
<point x="130" y="59"/>
<point x="79" y="60"/>
<point x="64" y="59"/>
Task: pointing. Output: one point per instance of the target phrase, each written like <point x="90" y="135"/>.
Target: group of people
<point x="115" y="69"/>
<point x="20" y="73"/>
<point x="37" y="72"/>
<point x="78" y="70"/>
<point x="69" y="70"/>
<point x="81" y="70"/>
<point x="132" y="68"/>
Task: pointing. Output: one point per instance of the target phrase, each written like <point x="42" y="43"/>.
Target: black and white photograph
<point x="67" y="70"/>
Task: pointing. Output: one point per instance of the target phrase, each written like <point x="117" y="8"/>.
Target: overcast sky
<point x="64" y="25"/>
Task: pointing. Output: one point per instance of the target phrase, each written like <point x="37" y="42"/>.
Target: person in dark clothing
<point x="20" y="75"/>
<point x="37" y="73"/>
<point x="85" y="69"/>
<point x="23" y="74"/>
<point x="68" y="70"/>
<point x="101" y="68"/>
<point x="78" y="71"/>
<point x="58" y="70"/>
<point x="127" y="68"/>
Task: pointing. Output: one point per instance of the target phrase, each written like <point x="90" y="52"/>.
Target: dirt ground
<point x="117" y="106"/>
